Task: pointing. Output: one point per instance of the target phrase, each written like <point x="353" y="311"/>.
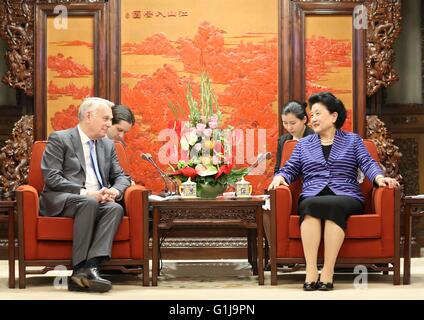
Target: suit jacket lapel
<point x="76" y="141"/>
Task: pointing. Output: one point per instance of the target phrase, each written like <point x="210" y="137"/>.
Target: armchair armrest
<point x="281" y="207"/>
<point x="386" y="203"/>
<point x="29" y="199"/>
<point x="383" y="201"/>
<point x="131" y="196"/>
<point x="27" y="211"/>
<point x="284" y="199"/>
<point x="136" y="208"/>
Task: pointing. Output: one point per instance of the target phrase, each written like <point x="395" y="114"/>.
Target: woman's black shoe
<point x="325" y="286"/>
<point x="310" y="286"/>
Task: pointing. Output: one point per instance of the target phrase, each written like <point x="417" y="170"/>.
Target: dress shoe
<point x="77" y="276"/>
<point x="90" y="278"/>
<point x="325" y="286"/>
<point x="310" y="286"/>
<point x="73" y="286"/>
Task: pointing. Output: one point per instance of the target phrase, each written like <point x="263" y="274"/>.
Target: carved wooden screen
<point x="322" y="51"/>
<point x="70" y="62"/>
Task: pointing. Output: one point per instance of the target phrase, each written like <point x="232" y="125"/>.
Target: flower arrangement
<point x="206" y="148"/>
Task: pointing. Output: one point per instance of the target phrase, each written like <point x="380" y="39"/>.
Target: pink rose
<point x="197" y="146"/>
<point x="199" y="128"/>
<point x="213" y="122"/>
<point x="207" y="132"/>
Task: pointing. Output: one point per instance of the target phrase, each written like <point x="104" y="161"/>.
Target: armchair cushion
<point x="363" y="226"/>
<point x="62" y="228"/>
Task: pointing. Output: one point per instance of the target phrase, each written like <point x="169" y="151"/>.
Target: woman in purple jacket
<point x="328" y="162"/>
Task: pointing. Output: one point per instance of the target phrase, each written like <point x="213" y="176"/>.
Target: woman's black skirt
<point x="328" y="206"/>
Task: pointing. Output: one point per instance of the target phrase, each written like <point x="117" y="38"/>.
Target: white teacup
<point x="243" y="189"/>
<point x="188" y="189"/>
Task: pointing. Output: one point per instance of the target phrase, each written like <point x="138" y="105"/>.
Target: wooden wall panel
<point x="295" y="82"/>
<point x="57" y="75"/>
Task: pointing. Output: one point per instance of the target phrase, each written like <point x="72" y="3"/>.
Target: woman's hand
<point x="386" y="182"/>
<point x="276" y="182"/>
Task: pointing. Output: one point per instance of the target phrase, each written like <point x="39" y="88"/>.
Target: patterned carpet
<point x="218" y="279"/>
<point x="207" y="274"/>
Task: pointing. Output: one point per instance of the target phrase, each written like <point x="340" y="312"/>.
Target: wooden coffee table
<point x="246" y="213"/>
<point x="410" y="203"/>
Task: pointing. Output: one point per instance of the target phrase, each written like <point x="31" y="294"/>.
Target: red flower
<point x="176" y="125"/>
<point x="218" y="147"/>
<point x="187" y="171"/>
<point x="225" y="169"/>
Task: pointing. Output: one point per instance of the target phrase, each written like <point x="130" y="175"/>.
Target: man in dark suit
<point x="83" y="179"/>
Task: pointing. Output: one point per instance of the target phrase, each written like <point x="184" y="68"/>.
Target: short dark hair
<point x="297" y="108"/>
<point x="332" y="104"/>
<point x="121" y="112"/>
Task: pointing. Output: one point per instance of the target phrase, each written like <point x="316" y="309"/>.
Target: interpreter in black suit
<point x="295" y="121"/>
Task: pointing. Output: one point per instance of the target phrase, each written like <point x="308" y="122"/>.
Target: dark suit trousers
<point x="95" y="225"/>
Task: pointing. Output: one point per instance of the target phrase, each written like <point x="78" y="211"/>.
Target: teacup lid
<point x="189" y="182"/>
<point x="242" y="181"/>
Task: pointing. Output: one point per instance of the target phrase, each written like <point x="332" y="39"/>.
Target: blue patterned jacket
<point x="347" y="154"/>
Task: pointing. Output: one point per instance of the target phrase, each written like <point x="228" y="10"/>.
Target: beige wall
<point x="7" y="94"/>
<point x="408" y="57"/>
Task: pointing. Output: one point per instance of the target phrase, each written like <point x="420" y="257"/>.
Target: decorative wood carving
<point x="245" y="215"/>
<point x="409" y="165"/>
<point x="384" y="19"/>
<point x="17" y="28"/>
<point x="387" y="151"/>
<point x="204" y="242"/>
<point x="15" y="155"/>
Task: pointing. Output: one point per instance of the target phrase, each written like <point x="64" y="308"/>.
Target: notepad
<point x="154" y="197"/>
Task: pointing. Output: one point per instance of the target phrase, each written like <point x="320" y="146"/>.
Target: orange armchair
<point x="372" y="239"/>
<point x="47" y="241"/>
